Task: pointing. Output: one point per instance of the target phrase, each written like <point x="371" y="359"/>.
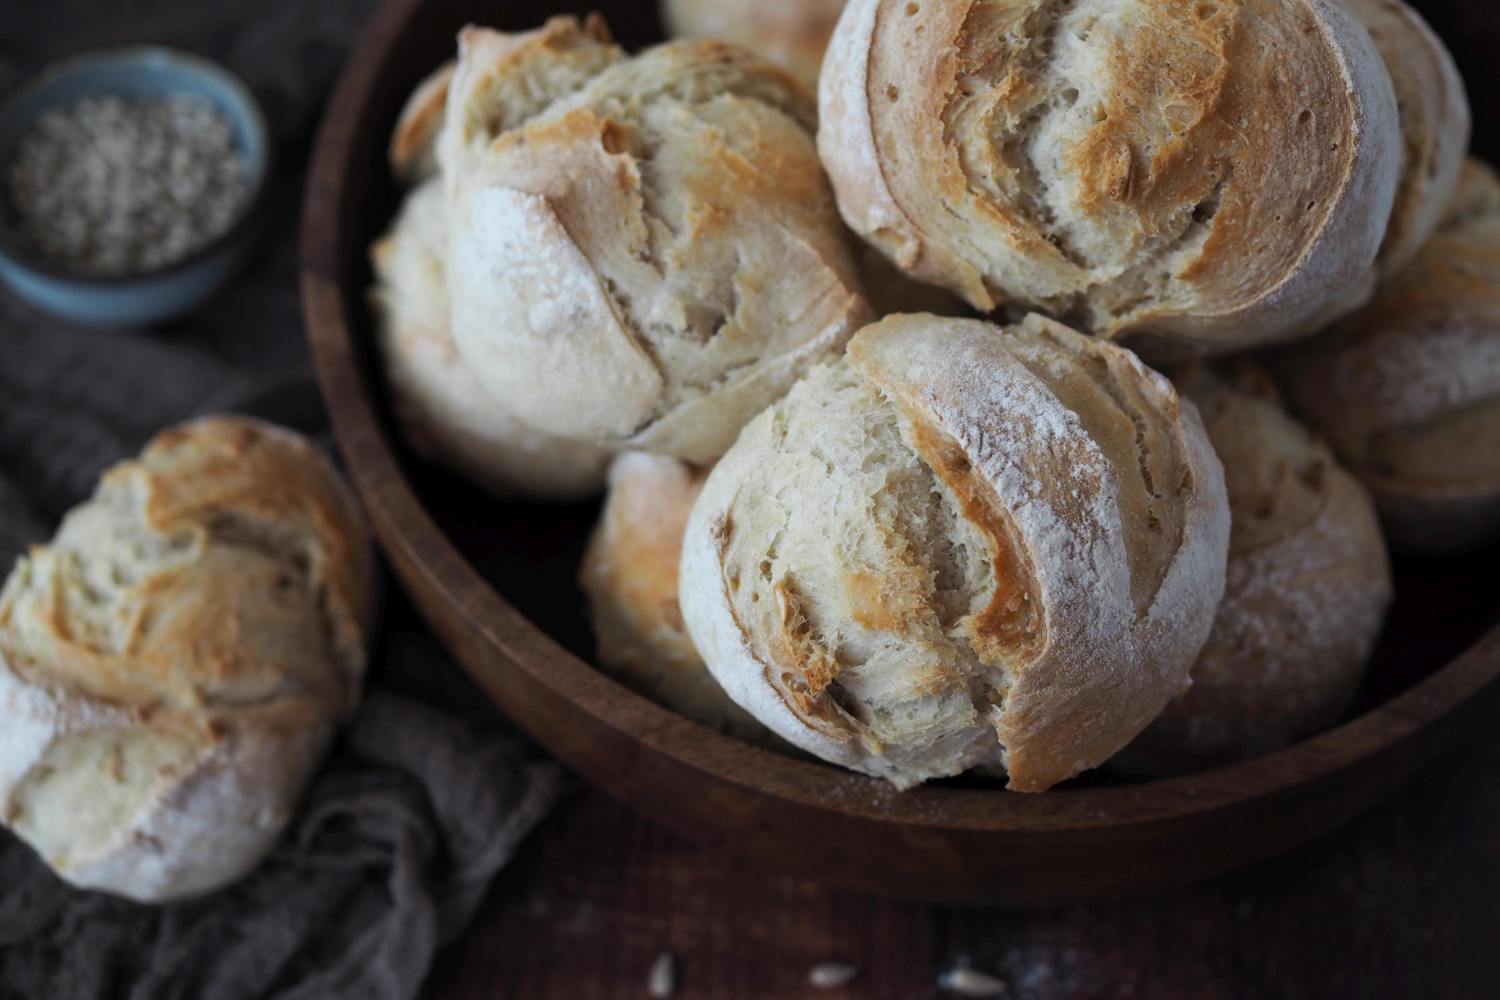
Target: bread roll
<point x="630" y="576"/>
<point x="792" y="34"/>
<point x="1435" y="123"/>
<point x="1214" y="175"/>
<point x="648" y="261"/>
<point x="174" y="664"/>
<point x="1308" y="588"/>
<point x="1408" y="390"/>
<point x="961" y="546"/>
<point x="501" y="80"/>
<point x="445" y="412"/>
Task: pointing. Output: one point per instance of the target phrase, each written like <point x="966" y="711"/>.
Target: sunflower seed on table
<point x="971" y="983"/>
<point x="662" y="982"/>
<point x="831" y="975"/>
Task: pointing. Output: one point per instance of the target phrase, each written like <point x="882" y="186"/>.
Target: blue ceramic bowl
<point x="150" y="297"/>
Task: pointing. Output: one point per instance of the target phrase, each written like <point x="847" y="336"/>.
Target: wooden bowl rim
<point x="391" y="500"/>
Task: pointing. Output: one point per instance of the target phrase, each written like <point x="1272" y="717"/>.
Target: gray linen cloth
<point x="428" y="793"/>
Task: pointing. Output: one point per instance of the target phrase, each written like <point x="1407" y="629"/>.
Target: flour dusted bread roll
<point x="445" y="412"/>
<point x="1308" y="587"/>
<point x="630" y="576"/>
<point x="1435" y="123"/>
<point x="791" y="33"/>
<point x="174" y="664"/>
<point x="1408" y="390"/>
<point x="961" y="546"/>
<point x="501" y="79"/>
<point x="1214" y="175"/>
<point x="647" y="260"/>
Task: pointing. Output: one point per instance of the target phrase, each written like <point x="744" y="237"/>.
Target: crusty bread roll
<point x="1408" y="390"/>
<point x="630" y="576"/>
<point x="1435" y="123"/>
<point x="647" y="261"/>
<point x="501" y="80"/>
<point x="961" y="546"/>
<point x="1214" y="175"/>
<point x="174" y="664"/>
<point x="445" y="412"/>
<point x="1308" y="587"/>
<point x="791" y="33"/>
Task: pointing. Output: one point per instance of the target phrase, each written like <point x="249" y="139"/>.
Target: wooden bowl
<point x="497" y="583"/>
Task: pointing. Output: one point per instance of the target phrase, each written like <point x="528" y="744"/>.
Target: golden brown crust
<point x="199" y="474"/>
<point x="502" y="79"/>
<point x="630" y="576"/>
<point x="641" y="529"/>
<point x="1008" y="625"/>
<point x="651" y="258"/>
<point x="919" y="561"/>
<point x="247" y="521"/>
<point x="1213" y="172"/>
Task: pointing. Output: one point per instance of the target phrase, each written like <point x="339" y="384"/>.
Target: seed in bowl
<point x="109" y="187"/>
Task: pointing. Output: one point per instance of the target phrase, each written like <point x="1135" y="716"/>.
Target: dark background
<point x="1401" y="904"/>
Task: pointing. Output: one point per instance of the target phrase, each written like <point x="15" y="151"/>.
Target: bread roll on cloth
<point x="1308" y="587"/>
<point x="961" y="546"/>
<point x="1202" y="176"/>
<point x="790" y="33"/>
<point x="1408" y="390"/>
<point x="446" y="413"/>
<point x="174" y="664"/>
<point x="646" y="260"/>
<point x="630" y="576"/>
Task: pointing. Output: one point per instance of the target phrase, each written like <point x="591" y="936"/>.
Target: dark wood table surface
<point x="1405" y="903"/>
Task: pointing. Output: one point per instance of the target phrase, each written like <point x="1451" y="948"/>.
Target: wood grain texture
<point x="1402" y="906"/>
<point x="458" y="553"/>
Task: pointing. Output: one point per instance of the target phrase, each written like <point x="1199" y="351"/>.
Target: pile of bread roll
<point x="866" y="374"/>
